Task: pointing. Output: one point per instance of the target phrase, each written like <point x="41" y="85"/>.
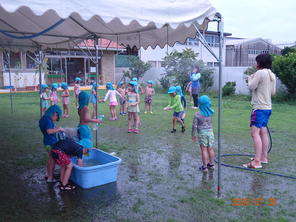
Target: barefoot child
<point x="111" y="95"/>
<point x="77" y="89"/>
<point x="49" y="130"/>
<point x="94" y="98"/>
<point x="65" y="99"/>
<point x="84" y="132"/>
<point x="203" y="123"/>
<point x="121" y="89"/>
<point x="44" y="98"/>
<point x="133" y="106"/>
<point x="53" y="94"/>
<point x="149" y="92"/>
<point x="176" y="105"/>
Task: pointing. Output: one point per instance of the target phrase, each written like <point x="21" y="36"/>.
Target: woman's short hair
<point x="264" y="61"/>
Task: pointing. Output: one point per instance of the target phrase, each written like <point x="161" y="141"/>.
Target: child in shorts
<point x="77" y="90"/>
<point x="149" y="93"/>
<point x="133" y="106"/>
<point x="49" y="130"/>
<point x="176" y="105"/>
<point x="203" y="123"/>
<point x="44" y="98"/>
<point x="53" y="94"/>
<point x="65" y="99"/>
<point x="111" y="95"/>
<point x="121" y="89"/>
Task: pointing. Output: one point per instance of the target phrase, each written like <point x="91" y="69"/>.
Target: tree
<point x="285" y="69"/>
<point x="287" y="50"/>
<point x="137" y="68"/>
<point x="178" y="67"/>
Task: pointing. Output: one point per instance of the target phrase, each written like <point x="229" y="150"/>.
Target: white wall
<point x="22" y="79"/>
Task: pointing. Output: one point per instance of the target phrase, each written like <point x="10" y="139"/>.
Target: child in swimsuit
<point x="133" y="106"/>
<point x="111" y="95"/>
<point x="121" y="89"/>
<point x="77" y="89"/>
<point x="53" y="94"/>
<point x="149" y="93"/>
<point x="65" y="99"/>
<point x="44" y="98"/>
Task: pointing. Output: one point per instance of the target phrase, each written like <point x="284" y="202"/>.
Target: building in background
<point x="242" y="52"/>
<point x="63" y="65"/>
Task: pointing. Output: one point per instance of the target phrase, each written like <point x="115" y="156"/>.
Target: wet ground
<point x="158" y="179"/>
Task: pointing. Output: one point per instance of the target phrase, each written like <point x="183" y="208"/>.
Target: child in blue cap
<point x="94" y="98"/>
<point x="121" y="89"/>
<point x="133" y="106"/>
<point x="176" y="105"/>
<point x="53" y="94"/>
<point x="149" y="93"/>
<point x="44" y="98"/>
<point x="203" y="124"/>
<point x="65" y="99"/>
<point x="111" y="95"/>
<point x="77" y="89"/>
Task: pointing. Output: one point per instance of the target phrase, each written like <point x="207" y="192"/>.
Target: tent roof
<point x="128" y="22"/>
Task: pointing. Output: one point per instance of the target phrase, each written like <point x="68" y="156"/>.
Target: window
<point x="55" y="66"/>
<point x="30" y="63"/>
<point x="209" y="64"/>
<point x="212" y="40"/>
<point x="153" y="64"/>
<point x="15" y="60"/>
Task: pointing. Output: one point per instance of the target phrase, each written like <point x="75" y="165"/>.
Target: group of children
<point x="60" y="151"/>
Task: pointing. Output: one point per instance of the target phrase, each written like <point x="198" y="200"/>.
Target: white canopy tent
<point x="35" y="24"/>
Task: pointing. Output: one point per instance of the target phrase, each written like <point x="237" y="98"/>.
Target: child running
<point x="94" y="98"/>
<point x="65" y="99"/>
<point x="176" y="105"/>
<point x="133" y="106"/>
<point x="53" y="94"/>
<point x="44" y="98"/>
<point x="149" y="92"/>
<point x="111" y="94"/>
<point x="203" y="123"/>
<point x="84" y="132"/>
<point x="77" y="90"/>
<point x="121" y="89"/>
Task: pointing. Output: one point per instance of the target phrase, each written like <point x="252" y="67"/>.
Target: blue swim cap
<point x="204" y="103"/>
<point x="109" y="86"/>
<point x="53" y="109"/>
<point x="77" y="79"/>
<point x="135" y="85"/>
<point x="135" y="79"/>
<point x="172" y="89"/>
<point x="179" y="90"/>
<point x="64" y="85"/>
<point x="120" y="84"/>
<point x="150" y="82"/>
<point x="54" y="86"/>
<point x="44" y="86"/>
<point x="83" y="99"/>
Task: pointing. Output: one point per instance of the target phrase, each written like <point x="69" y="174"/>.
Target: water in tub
<point x="90" y="162"/>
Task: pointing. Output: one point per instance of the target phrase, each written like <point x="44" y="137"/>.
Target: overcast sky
<point x="269" y="19"/>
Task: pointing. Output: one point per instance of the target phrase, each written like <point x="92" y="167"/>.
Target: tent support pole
<point x="9" y="73"/>
<point x="40" y="80"/>
<point x="220" y="33"/>
<point x="96" y="41"/>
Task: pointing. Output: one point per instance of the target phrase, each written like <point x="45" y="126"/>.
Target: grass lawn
<point x="158" y="179"/>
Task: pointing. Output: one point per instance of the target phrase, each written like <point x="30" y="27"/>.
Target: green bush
<point x="285" y="69"/>
<point x="165" y="82"/>
<point x="229" y="89"/>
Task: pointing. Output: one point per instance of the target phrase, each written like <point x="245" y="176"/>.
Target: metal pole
<point x="220" y="33"/>
<point x="97" y="81"/>
<point x="9" y="73"/>
<point x="40" y="80"/>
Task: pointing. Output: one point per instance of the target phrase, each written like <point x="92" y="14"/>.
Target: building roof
<point x="241" y="41"/>
<point x="103" y="44"/>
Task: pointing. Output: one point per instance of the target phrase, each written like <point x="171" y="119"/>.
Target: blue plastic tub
<point x="91" y="176"/>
